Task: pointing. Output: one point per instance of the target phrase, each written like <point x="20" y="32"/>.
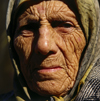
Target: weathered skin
<point x="49" y="43"/>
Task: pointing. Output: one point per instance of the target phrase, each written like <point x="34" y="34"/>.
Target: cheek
<point x="75" y="42"/>
<point x="74" y="45"/>
<point x="23" y="47"/>
<point x="80" y="39"/>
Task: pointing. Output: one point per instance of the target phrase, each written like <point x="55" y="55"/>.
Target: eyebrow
<point x="68" y="16"/>
<point x="26" y="20"/>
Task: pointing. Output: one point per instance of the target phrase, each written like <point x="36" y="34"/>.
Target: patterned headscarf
<point x="88" y="79"/>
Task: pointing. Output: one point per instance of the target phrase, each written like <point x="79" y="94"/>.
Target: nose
<point x="45" y="43"/>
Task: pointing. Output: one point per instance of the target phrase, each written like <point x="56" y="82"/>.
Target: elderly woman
<point x="54" y="47"/>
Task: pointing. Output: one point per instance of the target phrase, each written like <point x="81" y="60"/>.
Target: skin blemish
<point x="79" y="39"/>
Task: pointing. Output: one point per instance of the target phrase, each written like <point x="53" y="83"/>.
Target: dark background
<point x="6" y="69"/>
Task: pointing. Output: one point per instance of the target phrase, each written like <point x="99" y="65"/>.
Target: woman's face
<point x="49" y="43"/>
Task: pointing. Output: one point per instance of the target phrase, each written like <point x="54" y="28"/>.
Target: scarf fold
<point x="58" y="99"/>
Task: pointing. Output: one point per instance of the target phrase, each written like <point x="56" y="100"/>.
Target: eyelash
<point x="67" y="25"/>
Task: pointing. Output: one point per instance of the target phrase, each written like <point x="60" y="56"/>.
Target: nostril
<point x="51" y="52"/>
<point x="46" y="52"/>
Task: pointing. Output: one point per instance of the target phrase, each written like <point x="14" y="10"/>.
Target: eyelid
<point x="30" y="27"/>
<point x="68" y="22"/>
<point x="61" y="23"/>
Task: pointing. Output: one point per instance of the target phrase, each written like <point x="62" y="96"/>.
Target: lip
<point x="49" y="69"/>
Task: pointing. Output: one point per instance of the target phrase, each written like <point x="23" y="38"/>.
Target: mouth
<point x="42" y="73"/>
<point x="48" y="69"/>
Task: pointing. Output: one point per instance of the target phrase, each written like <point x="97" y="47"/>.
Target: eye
<point x="32" y="26"/>
<point x="67" y="24"/>
<point x="65" y="27"/>
<point x="29" y="27"/>
<point x="26" y="32"/>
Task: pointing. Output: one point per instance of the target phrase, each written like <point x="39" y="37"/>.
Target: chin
<point x="49" y="92"/>
<point x="48" y="89"/>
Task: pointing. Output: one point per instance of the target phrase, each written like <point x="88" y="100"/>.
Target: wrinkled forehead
<point x="49" y="8"/>
<point x="22" y="5"/>
<point x="50" y="5"/>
